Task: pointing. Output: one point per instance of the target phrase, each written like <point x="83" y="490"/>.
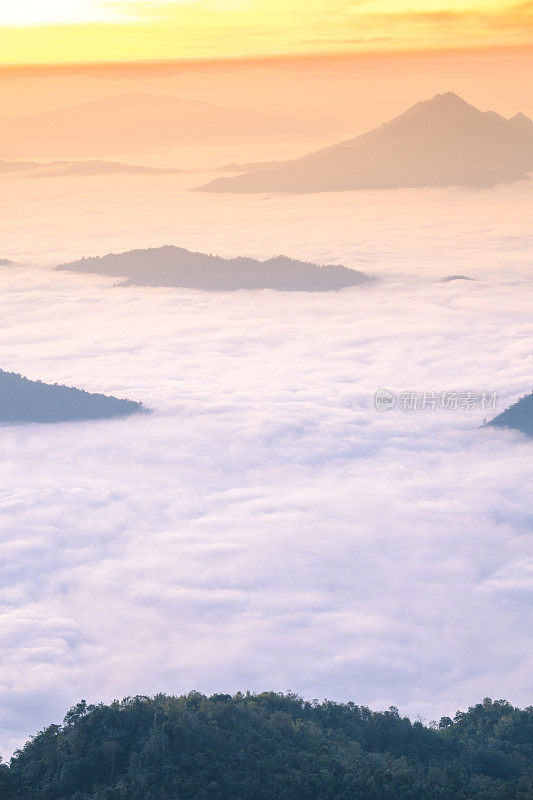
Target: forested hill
<point x="7" y="785"/>
<point x="519" y="416"/>
<point x="22" y="400"/>
<point x="276" y="747"/>
<point x="175" y="266"/>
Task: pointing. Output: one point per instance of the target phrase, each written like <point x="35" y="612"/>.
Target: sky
<point x="61" y="31"/>
<point x="265" y="527"/>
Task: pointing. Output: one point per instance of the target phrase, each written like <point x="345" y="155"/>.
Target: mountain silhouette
<point x="450" y="278"/>
<point x="22" y="400"/>
<point x="140" y="122"/>
<point x="439" y="142"/>
<point x="519" y="416"/>
<point x="248" y="167"/>
<point x="58" y="169"/>
<point x="18" y="166"/>
<point x="174" y="266"/>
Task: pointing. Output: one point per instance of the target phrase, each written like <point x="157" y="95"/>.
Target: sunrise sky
<point x="63" y="31"/>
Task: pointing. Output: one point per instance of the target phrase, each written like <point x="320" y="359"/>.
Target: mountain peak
<point x="448" y="102"/>
<point x="449" y="99"/>
<point x="521" y="121"/>
<point x="442" y="106"/>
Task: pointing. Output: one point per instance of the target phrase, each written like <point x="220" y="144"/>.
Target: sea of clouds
<point x="265" y="527"/>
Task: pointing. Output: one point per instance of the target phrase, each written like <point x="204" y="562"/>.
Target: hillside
<point x="22" y="400"/>
<point x="275" y="747"/>
<point x="174" y="266"/>
<point x="7" y="785"/>
<point x="439" y="142"/>
<point x="519" y="416"/>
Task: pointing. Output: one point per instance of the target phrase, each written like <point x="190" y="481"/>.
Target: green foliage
<point x="275" y="747"/>
<point x="7" y="784"/>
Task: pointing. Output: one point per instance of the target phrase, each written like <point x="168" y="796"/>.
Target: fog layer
<point x="266" y="527"/>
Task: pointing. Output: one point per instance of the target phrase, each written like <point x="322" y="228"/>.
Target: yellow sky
<point x="62" y="31"/>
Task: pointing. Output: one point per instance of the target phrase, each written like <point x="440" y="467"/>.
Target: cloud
<point x="369" y="21"/>
<point x="39" y="12"/>
<point x="135" y="30"/>
<point x="266" y="527"/>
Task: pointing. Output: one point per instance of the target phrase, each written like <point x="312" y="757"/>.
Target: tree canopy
<point x="275" y="747"/>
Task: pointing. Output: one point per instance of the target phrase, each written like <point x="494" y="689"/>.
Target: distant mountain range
<point x="58" y="169"/>
<point x="22" y="400"/>
<point x="174" y="266"/>
<point x="519" y="416"/>
<point x="440" y="142"/>
<point x="146" y="123"/>
<point x="248" y="167"/>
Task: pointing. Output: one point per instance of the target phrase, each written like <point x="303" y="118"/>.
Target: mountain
<point x="449" y="278"/>
<point x="275" y="747"/>
<point x="22" y="400"/>
<point x="174" y="266"/>
<point x="519" y="416"/>
<point x="440" y="142"/>
<point x="18" y="166"/>
<point x="144" y="123"/>
<point x="248" y="167"/>
<point x="57" y="169"/>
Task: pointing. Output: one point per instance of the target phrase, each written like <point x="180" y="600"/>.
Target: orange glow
<point x="131" y="30"/>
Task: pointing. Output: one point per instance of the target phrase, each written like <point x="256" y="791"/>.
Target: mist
<point x="265" y="526"/>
